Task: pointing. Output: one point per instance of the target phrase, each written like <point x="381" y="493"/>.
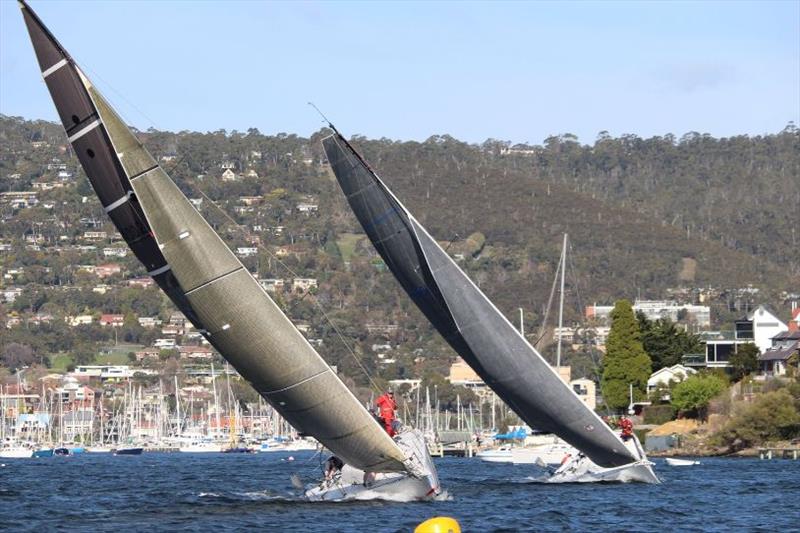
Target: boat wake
<point x="242" y="497"/>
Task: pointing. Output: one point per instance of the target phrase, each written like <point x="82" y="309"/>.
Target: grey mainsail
<point x="202" y="276"/>
<point x="466" y="318"/>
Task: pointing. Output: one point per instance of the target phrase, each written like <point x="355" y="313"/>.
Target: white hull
<point x="681" y="462"/>
<point x="98" y="449"/>
<point x="351" y="483"/>
<point x="580" y="469"/>
<point x="16" y="453"/>
<point x="201" y="448"/>
<point x="549" y="454"/>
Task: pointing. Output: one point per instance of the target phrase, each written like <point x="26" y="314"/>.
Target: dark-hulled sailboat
<point x="206" y="281"/>
<point x="477" y="330"/>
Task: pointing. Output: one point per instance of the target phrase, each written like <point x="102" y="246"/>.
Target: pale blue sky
<point x="514" y="71"/>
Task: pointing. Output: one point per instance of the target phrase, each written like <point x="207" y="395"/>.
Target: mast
<point x="561" y="302"/>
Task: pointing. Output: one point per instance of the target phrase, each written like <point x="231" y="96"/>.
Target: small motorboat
<point x="681" y="462"/>
<point x="238" y="449"/>
<point x="128" y="451"/>
<point x="43" y="452"/>
<point x="63" y="452"/>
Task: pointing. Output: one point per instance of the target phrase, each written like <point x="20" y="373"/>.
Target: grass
<point x="347" y="245"/>
<point x="59" y="363"/>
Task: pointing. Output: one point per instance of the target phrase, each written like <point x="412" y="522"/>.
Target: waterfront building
<point x="654" y="310"/>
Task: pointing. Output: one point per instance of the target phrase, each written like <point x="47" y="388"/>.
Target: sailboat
<point x="208" y="283"/>
<point x="479" y="332"/>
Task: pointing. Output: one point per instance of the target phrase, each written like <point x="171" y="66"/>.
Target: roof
<point x="780" y="355"/>
<point x="787" y="335"/>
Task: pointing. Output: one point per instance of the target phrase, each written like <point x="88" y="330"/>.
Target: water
<point x="169" y="492"/>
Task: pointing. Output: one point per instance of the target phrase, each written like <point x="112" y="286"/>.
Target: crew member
<point x="626" y="426"/>
<point x="332" y="466"/>
<point x="386" y="408"/>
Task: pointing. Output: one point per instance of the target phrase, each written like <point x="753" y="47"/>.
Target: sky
<point x="516" y="71"/>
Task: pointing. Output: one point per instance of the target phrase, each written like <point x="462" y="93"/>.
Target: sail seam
<point x="158" y="271"/>
<point x="113" y="205"/>
<point x="142" y="173"/>
<point x="54" y="68"/>
<point x="83" y="131"/>
<point x="276" y="391"/>
<point x="209" y="282"/>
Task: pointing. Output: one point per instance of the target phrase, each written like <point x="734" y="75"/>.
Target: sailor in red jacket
<point x="626" y="426"/>
<point x="386" y="407"/>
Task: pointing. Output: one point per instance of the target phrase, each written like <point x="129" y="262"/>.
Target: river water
<point x="169" y="492"/>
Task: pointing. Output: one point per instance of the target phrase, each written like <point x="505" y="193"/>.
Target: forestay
<point x="469" y="322"/>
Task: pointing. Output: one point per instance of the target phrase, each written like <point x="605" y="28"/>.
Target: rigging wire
<point x="542" y="328"/>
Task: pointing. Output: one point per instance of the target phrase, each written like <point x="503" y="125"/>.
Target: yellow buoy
<point x="439" y="524"/>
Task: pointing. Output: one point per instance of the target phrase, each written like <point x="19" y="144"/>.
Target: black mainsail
<point x="200" y="274"/>
<point x="465" y="317"/>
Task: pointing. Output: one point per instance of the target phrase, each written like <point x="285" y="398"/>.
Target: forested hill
<point x="643" y="215"/>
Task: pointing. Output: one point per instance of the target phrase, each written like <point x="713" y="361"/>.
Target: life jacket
<point x="386" y="405"/>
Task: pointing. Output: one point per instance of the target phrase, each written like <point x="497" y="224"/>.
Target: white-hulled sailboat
<point x="479" y="333"/>
<point x="207" y="282"/>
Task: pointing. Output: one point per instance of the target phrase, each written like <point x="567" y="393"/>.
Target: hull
<point x="98" y="449"/>
<point x="681" y="462"/>
<point x="201" y="448"/>
<point x="16" y="453"/>
<point x="581" y="469"/>
<point x="391" y="486"/>
<point x="129" y="451"/>
<point x="499" y="455"/>
<point x="353" y="484"/>
<point x="43" y="453"/>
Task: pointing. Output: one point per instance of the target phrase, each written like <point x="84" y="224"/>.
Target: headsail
<point x="469" y="322"/>
<point x="202" y="276"/>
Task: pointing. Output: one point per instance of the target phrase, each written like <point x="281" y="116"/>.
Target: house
<point x="115" y="321"/>
<point x="250" y="200"/>
<point x="101" y="288"/>
<point x="107" y="270"/>
<point x="11" y="294"/>
<point x="251" y="174"/>
<point x="147" y="353"/>
<point x="95" y="235"/>
<point x="104" y="372"/>
<point x="229" y="175"/>
<point x="115" y="252"/>
<point x="586" y="389"/>
<point x="19" y="199"/>
<point x="784" y="352"/>
<point x="246" y="251"/>
<point x="165" y="344"/>
<point x="654" y="310"/>
<point x="667" y="375"/>
<point x="303" y="284"/>
<point x="141" y="283"/>
<point x="757" y="327"/>
<point x="149" y="322"/>
<point x="79" y="320"/>
<point x="196" y="352"/>
<point x="307" y="208"/>
<point x="272" y="284"/>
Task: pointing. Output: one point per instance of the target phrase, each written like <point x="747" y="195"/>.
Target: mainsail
<point x="201" y="275"/>
<point x="466" y="318"/>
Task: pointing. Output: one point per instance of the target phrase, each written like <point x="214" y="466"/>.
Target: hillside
<point x="645" y="217"/>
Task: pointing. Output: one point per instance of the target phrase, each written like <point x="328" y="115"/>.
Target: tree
<point x="772" y="416"/>
<point x="626" y="361"/>
<point x="16" y="356"/>
<point x="664" y="342"/>
<point x="693" y="394"/>
<point x="744" y="361"/>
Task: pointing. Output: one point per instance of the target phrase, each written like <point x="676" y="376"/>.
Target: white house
<point x="765" y="326"/>
<point x="667" y="375"/>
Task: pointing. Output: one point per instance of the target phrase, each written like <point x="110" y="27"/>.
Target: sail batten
<point x="465" y="317"/>
<point x="201" y="275"/>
